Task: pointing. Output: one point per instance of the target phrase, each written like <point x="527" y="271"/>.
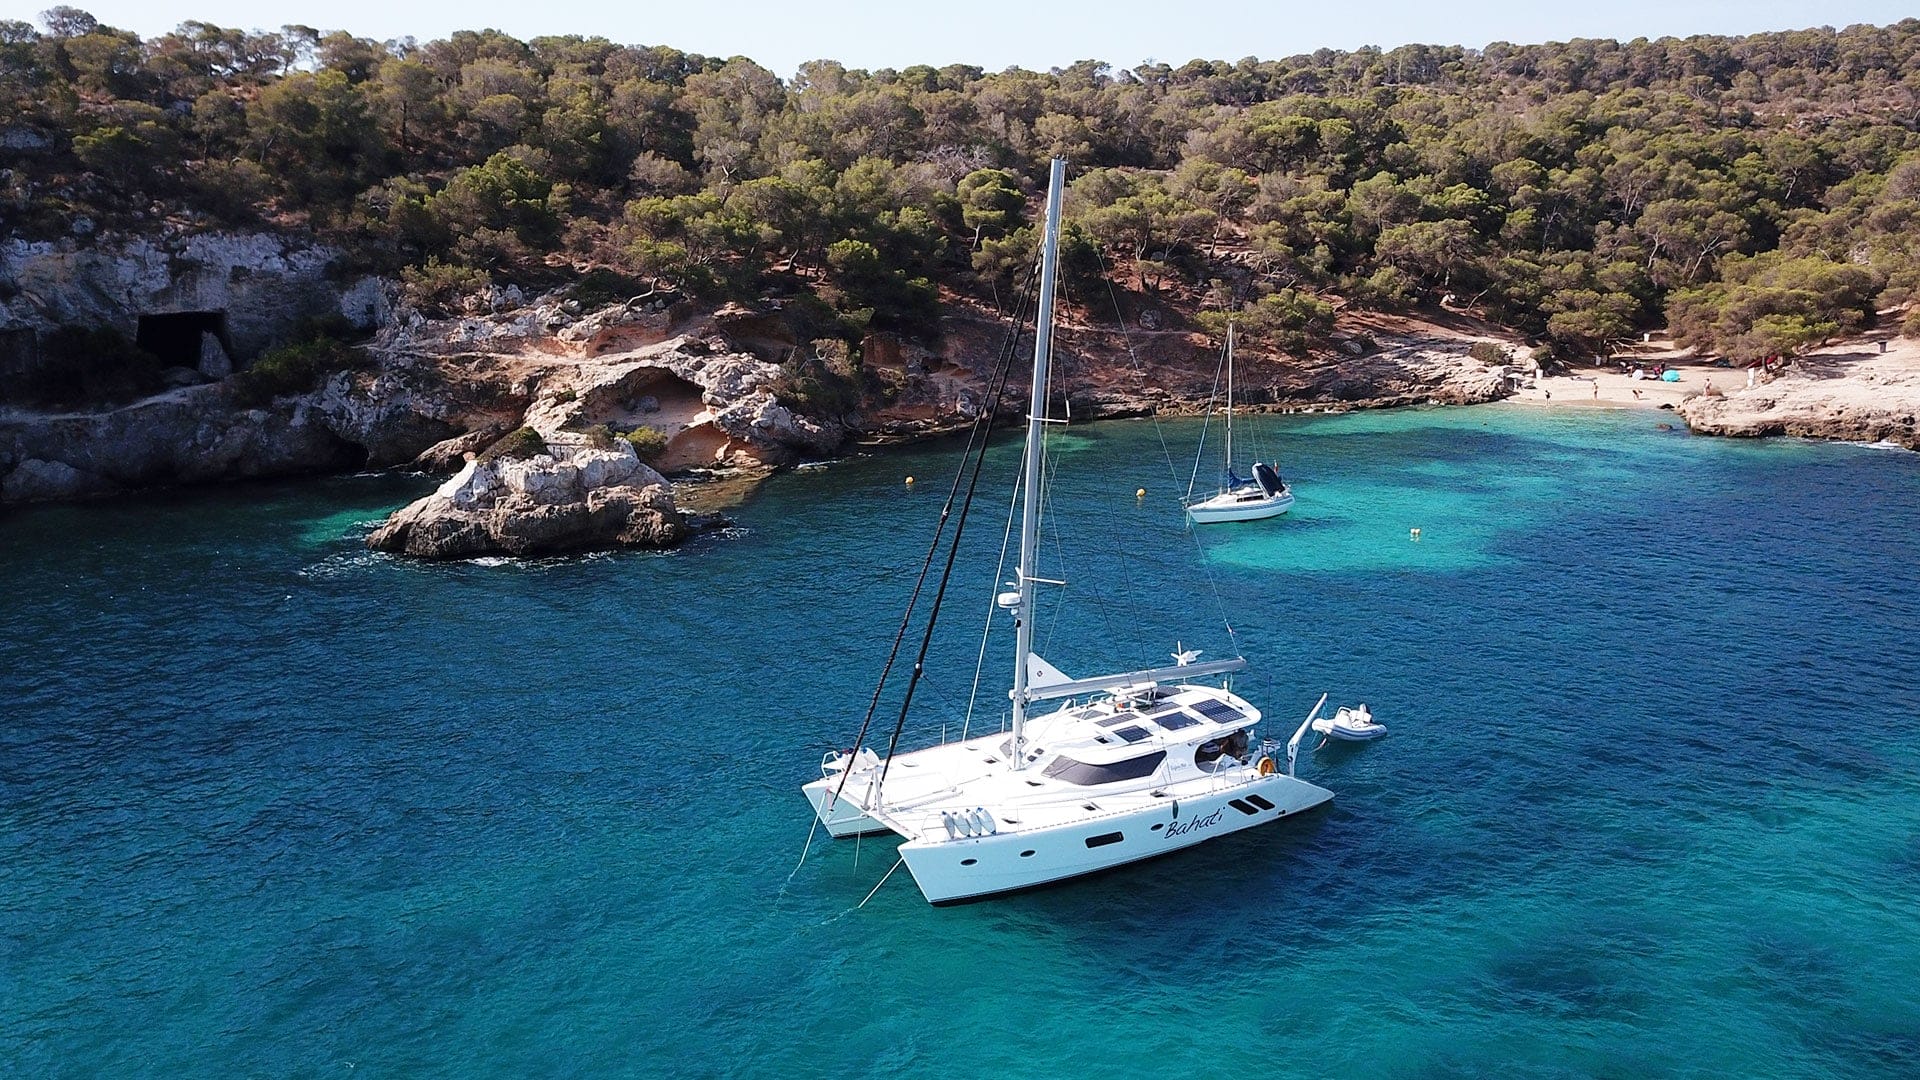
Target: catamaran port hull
<point x="842" y="816"/>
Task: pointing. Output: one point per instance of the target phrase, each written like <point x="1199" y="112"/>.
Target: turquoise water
<point x="270" y="805"/>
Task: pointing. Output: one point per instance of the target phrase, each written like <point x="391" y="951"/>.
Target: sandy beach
<point x="1847" y="390"/>
<point x="1605" y="385"/>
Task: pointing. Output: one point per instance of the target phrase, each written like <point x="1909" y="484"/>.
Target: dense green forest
<point x="1757" y="194"/>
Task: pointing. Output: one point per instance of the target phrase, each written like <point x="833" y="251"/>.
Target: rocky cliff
<point x="700" y="388"/>
<point x="203" y="302"/>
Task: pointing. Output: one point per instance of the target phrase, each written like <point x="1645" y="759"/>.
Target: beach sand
<point x="1852" y="374"/>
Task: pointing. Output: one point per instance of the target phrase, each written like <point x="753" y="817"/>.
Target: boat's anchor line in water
<point x="1124" y="767"/>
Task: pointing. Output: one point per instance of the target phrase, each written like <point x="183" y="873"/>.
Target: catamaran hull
<point x="1208" y="514"/>
<point x="969" y="868"/>
<point x="843" y="818"/>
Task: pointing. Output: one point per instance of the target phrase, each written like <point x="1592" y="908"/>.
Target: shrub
<point x="1488" y="352"/>
<point x="828" y="383"/>
<point x="519" y="444"/>
<point x="439" y="287"/>
<point x="294" y="369"/>
<point x="600" y="286"/>
<point x="648" y="443"/>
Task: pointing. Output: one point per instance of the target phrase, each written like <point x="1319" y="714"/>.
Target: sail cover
<point x="1269" y="479"/>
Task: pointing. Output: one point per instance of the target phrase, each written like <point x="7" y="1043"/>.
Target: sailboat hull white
<point x="1228" y="507"/>
<point x="969" y="868"/>
<point x="842" y="816"/>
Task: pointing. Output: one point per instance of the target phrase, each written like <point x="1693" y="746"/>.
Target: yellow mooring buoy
<point x="1141" y="494"/>
<point x="909" y="481"/>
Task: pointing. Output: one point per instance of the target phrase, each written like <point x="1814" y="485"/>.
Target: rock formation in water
<point x="571" y="497"/>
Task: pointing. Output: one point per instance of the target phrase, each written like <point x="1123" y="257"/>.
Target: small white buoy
<point x="1140" y="494"/>
<point x="909" y="481"/>
<point x="1414" y="535"/>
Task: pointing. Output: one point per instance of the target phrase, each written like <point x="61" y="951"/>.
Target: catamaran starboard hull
<point x="970" y="868"/>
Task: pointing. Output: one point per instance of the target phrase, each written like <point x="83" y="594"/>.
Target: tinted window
<point x="1079" y="772"/>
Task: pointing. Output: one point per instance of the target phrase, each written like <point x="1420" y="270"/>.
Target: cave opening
<point x="174" y="336"/>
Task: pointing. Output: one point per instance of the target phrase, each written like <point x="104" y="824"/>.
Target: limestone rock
<point x="34" y="480"/>
<point x="214" y="361"/>
<point x="1839" y="394"/>
<point x="583" y="498"/>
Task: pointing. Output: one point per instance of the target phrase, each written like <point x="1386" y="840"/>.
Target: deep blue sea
<point x="273" y="806"/>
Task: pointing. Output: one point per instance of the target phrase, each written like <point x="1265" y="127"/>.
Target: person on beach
<point x="1596" y="389"/>
<point x="1709" y="384"/>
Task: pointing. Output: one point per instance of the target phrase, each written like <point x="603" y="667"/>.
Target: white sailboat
<point x="1126" y="767"/>
<point x="1264" y="495"/>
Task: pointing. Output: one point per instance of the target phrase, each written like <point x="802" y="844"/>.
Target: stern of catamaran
<point x="848" y="784"/>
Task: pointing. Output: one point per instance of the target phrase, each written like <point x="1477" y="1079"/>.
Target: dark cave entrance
<point x="174" y="336"/>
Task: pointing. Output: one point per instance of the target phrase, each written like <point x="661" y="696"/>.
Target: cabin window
<point x="1241" y="805"/>
<point x="1085" y="775"/>
<point x="1259" y="802"/>
<point x="1234" y="746"/>
<point x="968" y="862"/>
<point x="1104" y="839"/>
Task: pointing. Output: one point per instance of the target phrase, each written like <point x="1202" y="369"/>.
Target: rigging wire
<point x="1205" y="425"/>
<point x="1140" y="374"/>
<point x="993" y="605"/>
<point x="976" y="449"/>
<point x="953" y="553"/>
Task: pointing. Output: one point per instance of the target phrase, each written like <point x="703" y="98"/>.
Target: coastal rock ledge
<point x="578" y="498"/>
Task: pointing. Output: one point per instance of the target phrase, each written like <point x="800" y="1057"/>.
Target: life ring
<point x="1266" y="766"/>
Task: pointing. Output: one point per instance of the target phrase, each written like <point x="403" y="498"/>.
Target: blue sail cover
<point x="1269" y="479"/>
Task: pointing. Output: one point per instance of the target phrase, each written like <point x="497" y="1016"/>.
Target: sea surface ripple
<point x="273" y="805"/>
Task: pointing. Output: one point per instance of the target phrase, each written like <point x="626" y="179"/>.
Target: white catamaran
<point x="1127" y="767"/>
<point x="1265" y="495"/>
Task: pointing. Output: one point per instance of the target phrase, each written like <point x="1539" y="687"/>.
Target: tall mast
<point x="1229" y="463"/>
<point x="1036" y="429"/>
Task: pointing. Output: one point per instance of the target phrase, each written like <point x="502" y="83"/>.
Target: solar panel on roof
<point x="1131" y="734"/>
<point x="1119" y="718"/>
<point x="1173" y="720"/>
<point x="1219" y="711"/>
